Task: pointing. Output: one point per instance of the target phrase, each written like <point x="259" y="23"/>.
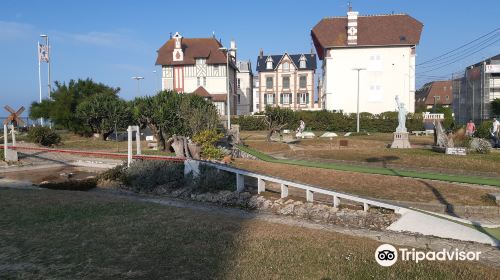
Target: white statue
<point x="301" y="127"/>
<point x="401" y="116"/>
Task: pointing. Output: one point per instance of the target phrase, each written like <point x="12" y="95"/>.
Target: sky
<point x="111" y="41"/>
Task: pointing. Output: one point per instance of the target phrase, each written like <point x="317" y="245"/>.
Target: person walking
<point x="470" y="129"/>
<point x="494" y="132"/>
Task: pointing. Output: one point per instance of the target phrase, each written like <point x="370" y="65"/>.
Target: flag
<point x="43" y="53"/>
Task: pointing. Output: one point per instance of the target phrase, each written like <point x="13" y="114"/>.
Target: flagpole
<point x="39" y="78"/>
<point x="48" y="66"/>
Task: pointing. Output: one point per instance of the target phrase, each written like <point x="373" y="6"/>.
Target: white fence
<point x="310" y="190"/>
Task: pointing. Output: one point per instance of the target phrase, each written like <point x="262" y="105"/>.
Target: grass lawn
<point x="373" y="149"/>
<point x="68" y="235"/>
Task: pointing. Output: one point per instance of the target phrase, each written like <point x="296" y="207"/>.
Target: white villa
<point x="383" y="46"/>
<point x="244" y="88"/>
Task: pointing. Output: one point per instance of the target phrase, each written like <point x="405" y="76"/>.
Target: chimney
<point x="352" y="27"/>
<point x="233" y="49"/>
<point x="261" y="53"/>
<point x="178" y="54"/>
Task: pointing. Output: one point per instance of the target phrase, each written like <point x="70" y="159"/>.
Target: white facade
<point x="389" y="71"/>
<point x="255" y="90"/>
<point x="244" y="88"/>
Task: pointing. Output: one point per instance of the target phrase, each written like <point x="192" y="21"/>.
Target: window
<point x="269" y="63"/>
<point x="303" y="98"/>
<point x="286" y="98"/>
<point x="303" y="81"/>
<point x="302" y="62"/>
<point x="269" y="98"/>
<point x="198" y="81"/>
<point x="269" y="82"/>
<point x="200" y="61"/>
<point x="447" y="97"/>
<point x="286" y="82"/>
<point x="239" y="98"/>
<point x="204" y="81"/>
<point x="216" y="67"/>
<point x="238" y="82"/>
<point x="286" y="66"/>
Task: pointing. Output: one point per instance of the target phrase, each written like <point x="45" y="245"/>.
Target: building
<point x="475" y="88"/>
<point x="244" y="88"/>
<point x="256" y="99"/>
<point x="287" y="80"/>
<point x="383" y="46"/>
<point x="198" y="65"/>
<point x="437" y="93"/>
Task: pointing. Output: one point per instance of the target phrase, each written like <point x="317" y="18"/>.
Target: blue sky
<point x="111" y="41"/>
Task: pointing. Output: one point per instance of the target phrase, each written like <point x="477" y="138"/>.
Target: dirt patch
<point x="54" y="174"/>
<point x="376" y="186"/>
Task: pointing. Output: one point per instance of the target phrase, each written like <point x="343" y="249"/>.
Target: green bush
<point x="116" y="173"/>
<point x="483" y="130"/>
<point x="2" y="155"/>
<point x="207" y="139"/>
<point x="44" y="136"/>
<point x="211" y="179"/>
<point x="147" y="175"/>
<point x="336" y="121"/>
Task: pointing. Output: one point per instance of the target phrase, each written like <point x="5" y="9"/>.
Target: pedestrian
<point x="470" y="129"/>
<point x="495" y="127"/>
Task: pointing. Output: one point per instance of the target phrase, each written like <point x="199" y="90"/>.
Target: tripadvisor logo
<point x="387" y="255"/>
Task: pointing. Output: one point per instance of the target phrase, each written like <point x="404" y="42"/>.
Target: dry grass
<point x="73" y="235"/>
<point x="373" y="150"/>
<point x="376" y="186"/>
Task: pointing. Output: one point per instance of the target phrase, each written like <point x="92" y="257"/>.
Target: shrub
<point x="145" y="176"/>
<point x="206" y="139"/>
<point x="116" y="173"/>
<point x="335" y="121"/>
<point x="483" y="130"/>
<point x="2" y="155"/>
<point x="480" y="146"/>
<point x="43" y="136"/>
<point x="211" y="179"/>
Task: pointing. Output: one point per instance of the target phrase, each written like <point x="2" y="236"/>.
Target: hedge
<point x="331" y="121"/>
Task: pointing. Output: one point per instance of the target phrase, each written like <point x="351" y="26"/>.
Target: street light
<point x="138" y="79"/>
<point x="228" y="114"/>
<point x="357" y="107"/>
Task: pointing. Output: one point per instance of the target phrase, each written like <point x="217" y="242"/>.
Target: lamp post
<point x="138" y="79"/>
<point x="357" y="105"/>
<point x="228" y="113"/>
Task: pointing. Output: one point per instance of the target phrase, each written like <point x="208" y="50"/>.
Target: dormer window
<point x="286" y="66"/>
<point x="269" y="63"/>
<point x="302" y="62"/>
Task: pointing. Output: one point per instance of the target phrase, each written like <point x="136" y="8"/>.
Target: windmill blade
<point x="20" y="111"/>
<point x="20" y="121"/>
<point x="8" y="108"/>
<point x="6" y="122"/>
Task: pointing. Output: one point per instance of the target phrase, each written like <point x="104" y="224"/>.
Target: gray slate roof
<point x="310" y="61"/>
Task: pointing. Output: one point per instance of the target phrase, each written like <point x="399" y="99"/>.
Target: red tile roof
<point x="378" y="30"/>
<point x="193" y="48"/>
<point x="219" y="97"/>
<point x="425" y="95"/>
<point x="201" y="91"/>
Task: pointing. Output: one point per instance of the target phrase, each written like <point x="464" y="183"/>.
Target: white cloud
<point x="13" y="31"/>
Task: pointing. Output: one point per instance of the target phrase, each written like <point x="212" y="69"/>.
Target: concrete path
<point x="418" y="222"/>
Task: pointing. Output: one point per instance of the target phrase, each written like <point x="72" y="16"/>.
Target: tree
<point x="495" y="107"/>
<point x="276" y="119"/>
<point x="102" y="112"/>
<point x="61" y="108"/>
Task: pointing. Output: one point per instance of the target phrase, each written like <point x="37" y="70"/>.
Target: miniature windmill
<point x="12" y="120"/>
